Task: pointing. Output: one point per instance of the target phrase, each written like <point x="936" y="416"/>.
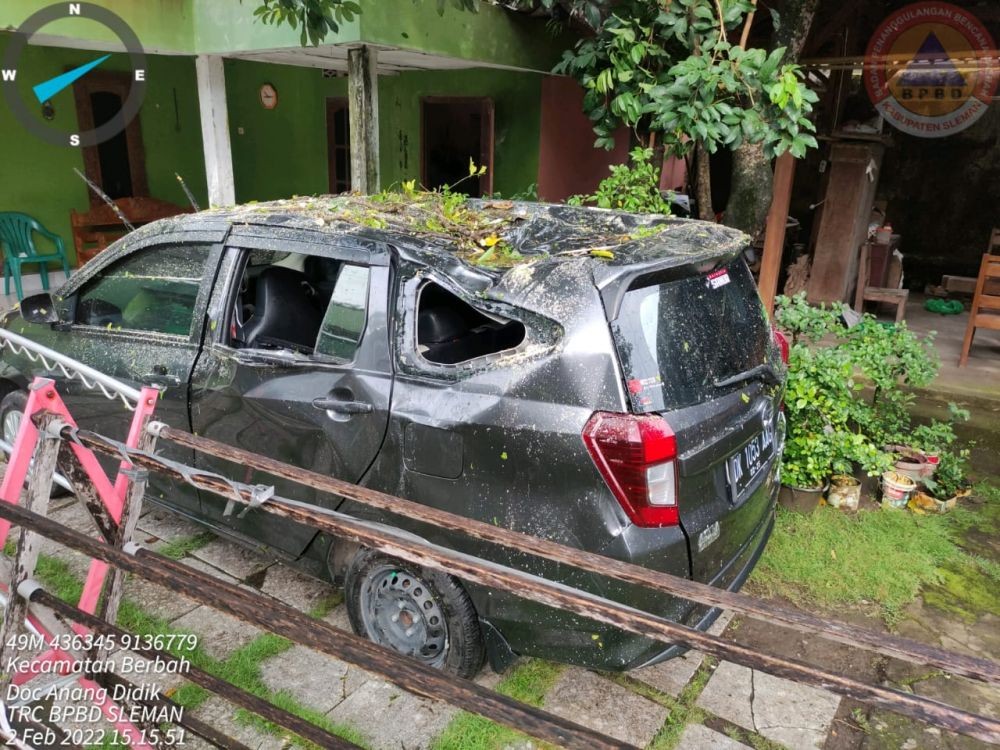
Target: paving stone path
<point x="742" y="706"/>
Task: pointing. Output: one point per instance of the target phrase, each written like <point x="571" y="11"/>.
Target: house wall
<point x="283" y="152"/>
<point x="492" y="35"/>
<point x="569" y="163"/>
<point x="37" y="178"/>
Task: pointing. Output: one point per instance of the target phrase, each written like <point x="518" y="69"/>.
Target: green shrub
<point x="832" y="423"/>
<point x="631" y="187"/>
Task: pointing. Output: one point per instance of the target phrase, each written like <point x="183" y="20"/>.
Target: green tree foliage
<point x="671" y="69"/>
<point x="631" y="187"/>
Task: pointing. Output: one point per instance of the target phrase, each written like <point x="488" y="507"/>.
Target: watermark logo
<point x="931" y="69"/>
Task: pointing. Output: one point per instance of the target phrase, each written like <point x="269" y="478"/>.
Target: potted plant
<point x="947" y="485"/>
<point x="844" y="492"/>
<point x="804" y="470"/>
<point x="936" y="438"/>
<point x="896" y="489"/>
<point x="821" y="408"/>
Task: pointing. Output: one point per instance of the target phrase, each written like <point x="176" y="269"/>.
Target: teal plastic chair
<point x="18" y="243"/>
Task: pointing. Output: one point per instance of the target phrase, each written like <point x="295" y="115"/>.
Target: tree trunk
<point x="703" y="185"/>
<point x="750" y="197"/>
<point x="751" y="193"/>
<point x="796" y="21"/>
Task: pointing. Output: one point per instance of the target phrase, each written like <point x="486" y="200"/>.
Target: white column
<point x="215" y="130"/>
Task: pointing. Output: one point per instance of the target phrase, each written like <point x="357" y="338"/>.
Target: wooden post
<point x="774" y="237"/>
<point x="28" y="542"/>
<point x="215" y="130"/>
<point x="362" y="87"/>
<point x="115" y="586"/>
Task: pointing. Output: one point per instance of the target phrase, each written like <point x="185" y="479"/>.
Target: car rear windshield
<point x="678" y="338"/>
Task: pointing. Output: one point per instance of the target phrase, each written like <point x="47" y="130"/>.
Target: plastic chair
<point x="18" y="244"/>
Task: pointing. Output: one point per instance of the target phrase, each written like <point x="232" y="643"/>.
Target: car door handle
<point x="342" y="407"/>
<point x="160" y="376"/>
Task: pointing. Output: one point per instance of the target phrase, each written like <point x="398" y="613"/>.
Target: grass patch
<point x="185" y="545"/>
<point x="528" y="682"/>
<point x="684" y="710"/>
<point x="885" y="557"/>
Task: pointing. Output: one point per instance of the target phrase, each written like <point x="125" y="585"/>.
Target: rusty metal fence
<point x="49" y="440"/>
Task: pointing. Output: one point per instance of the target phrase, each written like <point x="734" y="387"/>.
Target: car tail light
<point x="637" y="456"/>
<point x="782" y="341"/>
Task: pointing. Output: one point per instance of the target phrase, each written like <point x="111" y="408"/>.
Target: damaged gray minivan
<point x="617" y="388"/>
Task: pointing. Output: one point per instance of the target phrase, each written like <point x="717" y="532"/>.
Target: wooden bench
<point x="94" y="230"/>
<point x="882" y="293"/>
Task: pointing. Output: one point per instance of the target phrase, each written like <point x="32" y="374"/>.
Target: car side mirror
<point x="39" y="308"/>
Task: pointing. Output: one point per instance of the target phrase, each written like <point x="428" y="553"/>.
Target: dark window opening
<point x="338" y="137"/>
<point x="304" y="303"/>
<point x="112" y="154"/>
<point x="453" y="132"/>
<point x="450" y="331"/>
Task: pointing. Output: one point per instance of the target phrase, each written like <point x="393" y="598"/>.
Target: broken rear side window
<point x="450" y="331"/>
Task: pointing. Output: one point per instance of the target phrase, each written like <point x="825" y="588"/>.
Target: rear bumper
<point x="535" y="630"/>
<point x="707" y="616"/>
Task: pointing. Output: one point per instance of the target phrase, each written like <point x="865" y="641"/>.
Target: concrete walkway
<point x="734" y="701"/>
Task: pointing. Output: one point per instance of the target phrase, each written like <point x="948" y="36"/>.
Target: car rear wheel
<point x="11" y="414"/>
<point x="421" y="613"/>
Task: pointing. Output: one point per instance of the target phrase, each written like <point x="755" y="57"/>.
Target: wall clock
<point x="268" y="96"/>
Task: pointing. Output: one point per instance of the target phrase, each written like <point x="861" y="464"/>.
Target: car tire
<point x="422" y="613"/>
<point x="11" y="413"/>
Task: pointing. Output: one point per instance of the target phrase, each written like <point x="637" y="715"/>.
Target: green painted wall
<point x="161" y="25"/>
<point x="283" y="152"/>
<point x="517" y="120"/>
<point x="492" y="35"/>
<point x="37" y="178"/>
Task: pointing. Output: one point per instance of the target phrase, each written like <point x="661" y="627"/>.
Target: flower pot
<point x="897" y="489"/>
<point x="800" y="499"/>
<point x="844" y="492"/>
<point x="911" y="462"/>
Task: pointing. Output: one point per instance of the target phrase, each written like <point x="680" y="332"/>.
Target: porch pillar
<point x="215" y="130"/>
<point x="774" y="236"/>
<point x="362" y="87"/>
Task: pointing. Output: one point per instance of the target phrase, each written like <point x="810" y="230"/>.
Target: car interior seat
<point x="322" y="274"/>
<point x="284" y="315"/>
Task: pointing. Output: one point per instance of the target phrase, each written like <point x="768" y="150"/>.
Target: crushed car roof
<point x="492" y="236"/>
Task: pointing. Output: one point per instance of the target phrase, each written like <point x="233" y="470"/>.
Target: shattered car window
<point x="153" y="290"/>
<point x="450" y="331"/>
<point x="344" y="322"/>
<point x="677" y="339"/>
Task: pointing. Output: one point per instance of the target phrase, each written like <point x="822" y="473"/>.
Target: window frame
<point x="408" y="287"/>
<point x="68" y="296"/>
<point x="245" y="239"/>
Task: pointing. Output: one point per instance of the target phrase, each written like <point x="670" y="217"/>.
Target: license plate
<point x="744" y="467"/>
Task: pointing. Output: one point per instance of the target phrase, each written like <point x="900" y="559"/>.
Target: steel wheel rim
<point x="399" y="611"/>
<point x="11" y="425"/>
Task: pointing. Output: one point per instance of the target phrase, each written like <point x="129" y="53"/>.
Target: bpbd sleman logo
<point x="28" y="99"/>
<point x="931" y="69"/>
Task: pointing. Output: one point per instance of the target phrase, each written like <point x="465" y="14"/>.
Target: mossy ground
<point x="884" y="558"/>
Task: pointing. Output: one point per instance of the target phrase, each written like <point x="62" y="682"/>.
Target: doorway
<point x="455" y="130"/>
<point x="118" y="165"/>
<point x="338" y="144"/>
